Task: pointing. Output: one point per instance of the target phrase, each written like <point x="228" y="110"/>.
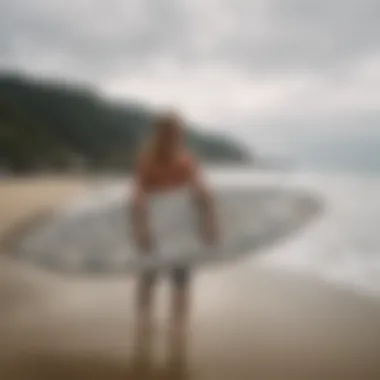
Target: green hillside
<point x="47" y="125"/>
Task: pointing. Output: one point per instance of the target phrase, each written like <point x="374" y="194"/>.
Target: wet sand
<point x="246" y="320"/>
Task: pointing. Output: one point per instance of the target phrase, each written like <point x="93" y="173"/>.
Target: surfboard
<point x="96" y="238"/>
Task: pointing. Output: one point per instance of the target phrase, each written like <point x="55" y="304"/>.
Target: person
<point x="164" y="166"/>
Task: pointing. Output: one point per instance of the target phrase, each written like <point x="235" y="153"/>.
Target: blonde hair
<point x="149" y="148"/>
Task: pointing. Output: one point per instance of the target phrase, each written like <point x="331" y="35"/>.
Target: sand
<point x="22" y="199"/>
<point x="246" y="320"/>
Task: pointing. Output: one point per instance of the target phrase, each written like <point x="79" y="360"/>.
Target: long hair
<point x="151" y="147"/>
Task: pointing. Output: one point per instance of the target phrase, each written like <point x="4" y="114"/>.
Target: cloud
<point x="270" y="69"/>
<point x="261" y="35"/>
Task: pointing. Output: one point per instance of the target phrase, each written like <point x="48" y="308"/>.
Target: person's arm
<point x="139" y="210"/>
<point x="205" y="201"/>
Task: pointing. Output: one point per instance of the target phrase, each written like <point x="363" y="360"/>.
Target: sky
<point x="279" y="74"/>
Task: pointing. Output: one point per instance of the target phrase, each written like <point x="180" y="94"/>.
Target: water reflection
<point x="175" y="366"/>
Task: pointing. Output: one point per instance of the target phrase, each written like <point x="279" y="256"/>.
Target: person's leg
<point x="145" y="291"/>
<point x="144" y="317"/>
<point x="177" y="348"/>
<point x="180" y="301"/>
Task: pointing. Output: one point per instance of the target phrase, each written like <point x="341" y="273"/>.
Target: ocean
<point x="343" y="244"/>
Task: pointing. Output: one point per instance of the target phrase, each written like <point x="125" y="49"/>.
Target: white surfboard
<point x="99" y="240"/>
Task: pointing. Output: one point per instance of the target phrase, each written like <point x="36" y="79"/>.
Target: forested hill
<point x="46" y="125"/>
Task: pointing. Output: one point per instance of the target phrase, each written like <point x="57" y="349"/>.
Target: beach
<point x="247" y="319"/>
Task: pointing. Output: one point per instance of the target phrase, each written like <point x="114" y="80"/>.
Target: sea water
<point x="343" y="244"/>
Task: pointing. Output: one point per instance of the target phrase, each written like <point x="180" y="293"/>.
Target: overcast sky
<point x="275" y="72"/>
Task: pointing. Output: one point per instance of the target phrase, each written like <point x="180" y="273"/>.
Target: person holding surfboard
<point x="165" y="167"/>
